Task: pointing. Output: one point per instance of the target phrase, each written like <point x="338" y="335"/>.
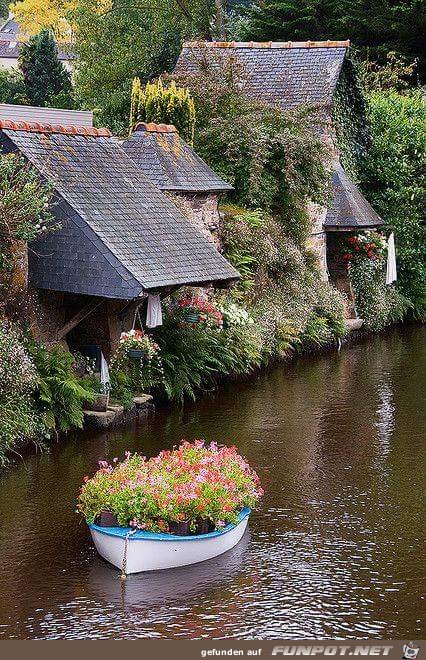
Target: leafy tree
<point x="133" y="38"/>
<point x="4" y="8"/>
<point x="23" y="217"/>
<point x="12" y="87"/>
<point x="34" y="16"/>
<point x="47" y="82"/>
<point x="377" y="27"/>
<point x="393" y="181"/>
<point x="169" y="105"/>
<point x="291" y="20"/>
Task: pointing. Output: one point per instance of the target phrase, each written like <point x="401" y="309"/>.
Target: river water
<point x="336" y="549"/>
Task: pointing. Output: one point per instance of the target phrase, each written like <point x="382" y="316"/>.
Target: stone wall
<point x="203" y="211"/>
<point x="317" y="241"/>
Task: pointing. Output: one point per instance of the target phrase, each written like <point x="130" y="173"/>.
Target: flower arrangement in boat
<point x="138" y="344"/>
<point x="369" y="244"/>
<point x="194" y="488"/>
<point x="198" y="309"/>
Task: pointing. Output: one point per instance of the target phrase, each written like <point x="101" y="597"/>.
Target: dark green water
<point x="336" y="549"/>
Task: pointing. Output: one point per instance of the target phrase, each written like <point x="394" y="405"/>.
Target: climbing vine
<point x="24" y="216"/>
<point x="350" y="119"/>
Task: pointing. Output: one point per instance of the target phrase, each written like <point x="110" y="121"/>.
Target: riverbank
<point x="140" y="408"/>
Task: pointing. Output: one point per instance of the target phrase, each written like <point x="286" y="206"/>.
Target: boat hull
<point x="147" y="551"/>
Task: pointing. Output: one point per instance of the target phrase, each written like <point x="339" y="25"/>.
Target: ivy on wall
<point x="350" y="119"/>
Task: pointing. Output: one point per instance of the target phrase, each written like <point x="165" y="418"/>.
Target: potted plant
<point x="100" y="404"/>
<point x="369" y="244"/>
<point x="107" y="519"/>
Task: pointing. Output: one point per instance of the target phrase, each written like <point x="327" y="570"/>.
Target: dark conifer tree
<point x="47" y="82"/>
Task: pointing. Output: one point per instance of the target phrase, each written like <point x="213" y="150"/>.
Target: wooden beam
<point x="78" y="318"/>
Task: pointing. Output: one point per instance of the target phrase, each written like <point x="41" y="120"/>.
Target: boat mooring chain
<point x="124" y="562"/>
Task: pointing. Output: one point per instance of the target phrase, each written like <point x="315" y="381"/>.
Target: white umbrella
<point x="391" y="263"/>
<point x="105" y="381"/>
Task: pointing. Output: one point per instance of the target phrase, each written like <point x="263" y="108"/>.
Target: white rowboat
<point x="149" y="551"/>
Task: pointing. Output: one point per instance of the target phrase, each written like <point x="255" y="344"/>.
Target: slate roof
<point x="120" y="234"/>
<point x="284" y="74"/>
<point x="169" y="162"/>
<point x="349" y="208"/>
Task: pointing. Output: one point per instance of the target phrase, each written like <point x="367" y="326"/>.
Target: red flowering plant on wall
<point x="199" y="309"/>
<point x="369" y="244"/>
<point x="192" y="484"/>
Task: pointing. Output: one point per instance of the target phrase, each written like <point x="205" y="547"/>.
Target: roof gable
<point x="169" y="162"/>
<point x="284" y="74"/>
<point x="140" y="232"/>
<point x="349" y="207"/>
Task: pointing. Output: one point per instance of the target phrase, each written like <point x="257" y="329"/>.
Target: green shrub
<point x="163" y="105"/>
<point x="121" y="388"/>
<point x="19" y="417"/>
<point x="60" y="395"/>
<point x="393" y="181"/>
<point x="275" y="160"/>
<point x="12" y="87"/>
<point x="377" y="303"/>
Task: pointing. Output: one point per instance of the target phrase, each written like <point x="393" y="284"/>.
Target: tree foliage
<point x="34" y="16"/>
<point x="12" y="87"/>
<point x="393" y="180"/>
<point x="163" y="104"/>
<point x="23" y="217"/>
<point x="47" y="82"/>
<point x="275" y="160"/>
<point x="380" y="27"/>
<point x="130" y="39"/>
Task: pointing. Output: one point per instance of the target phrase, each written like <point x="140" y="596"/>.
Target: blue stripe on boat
<point x="140" y="535"/>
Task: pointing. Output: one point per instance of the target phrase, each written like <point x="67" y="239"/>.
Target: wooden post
<point x="77" y="318"/>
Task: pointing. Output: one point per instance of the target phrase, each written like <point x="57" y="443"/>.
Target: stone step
<point x="353" y="324"/>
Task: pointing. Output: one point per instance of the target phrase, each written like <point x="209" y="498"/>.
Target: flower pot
<point x="107" y="519"/>
<point x="136" y="353"/>
<point x="99" y="405"/>
<point x="192" y="317"/>
<point x="204" y="526"/>
<point x="181" y="528"/>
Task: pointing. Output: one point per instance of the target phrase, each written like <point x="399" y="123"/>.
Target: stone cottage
<point x="120" y="238"/>
<point x="174" y="167"/>
<point x="288" y="75"/>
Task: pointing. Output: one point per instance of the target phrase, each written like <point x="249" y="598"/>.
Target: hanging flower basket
<point x="192" y="317"/>
<point x="197" y="309"/>
<point x="136" y="353"/>
<point x="137" y="345"/>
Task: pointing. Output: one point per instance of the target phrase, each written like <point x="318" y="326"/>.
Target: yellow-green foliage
<point x="160" y="104"/>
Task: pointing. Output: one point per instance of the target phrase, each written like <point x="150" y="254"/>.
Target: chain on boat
<point x="124" y="562"/>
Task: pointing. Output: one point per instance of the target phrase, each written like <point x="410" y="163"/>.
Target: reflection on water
<point x="336" y="549"/>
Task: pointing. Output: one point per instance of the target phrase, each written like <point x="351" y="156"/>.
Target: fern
<point x="60" y="395"/>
